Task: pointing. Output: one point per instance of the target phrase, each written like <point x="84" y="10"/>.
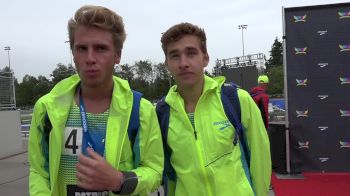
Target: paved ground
<point x="14" y="172"/>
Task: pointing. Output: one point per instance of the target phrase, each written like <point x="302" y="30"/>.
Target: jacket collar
<point x="174" y="98"/>
<point x="63" y="92"/>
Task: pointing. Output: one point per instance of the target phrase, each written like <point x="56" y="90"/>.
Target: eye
<point x="80" y="48"/>
<point x="191" y="53"/>
<point x="174" y="55"/>
<point x="101" y="48"/>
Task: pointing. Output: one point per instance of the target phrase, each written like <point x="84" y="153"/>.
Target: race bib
<point x="73" y="137"/>
<point x="73" y="190"/>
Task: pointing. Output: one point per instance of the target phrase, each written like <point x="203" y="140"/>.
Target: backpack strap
<point x="133" y="127"/>
<point x="46" y="135"/>
<point x="163" y="114"/>
<point x="253" y="94"/>
<point x="231" y="104"/>
<point x="230" y="101"/>
<point x="47" y="127"/>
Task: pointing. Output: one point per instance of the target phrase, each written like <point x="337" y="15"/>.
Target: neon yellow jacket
<point x="118" y="152"/>
<point x="211" y="165"/>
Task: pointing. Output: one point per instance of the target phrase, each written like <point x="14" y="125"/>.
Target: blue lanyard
<point x="87" y="140"/>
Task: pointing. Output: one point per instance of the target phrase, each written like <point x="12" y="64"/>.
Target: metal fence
<point x="7" y="91"/>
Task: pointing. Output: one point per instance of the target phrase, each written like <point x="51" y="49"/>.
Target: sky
<point x="36" y="30"/>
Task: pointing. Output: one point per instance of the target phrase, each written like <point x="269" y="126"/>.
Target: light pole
<point x="70" y="53"/>
<point x="242" y="27"/>
<point x="13" y="99"/>
<point x="8" y="55"/>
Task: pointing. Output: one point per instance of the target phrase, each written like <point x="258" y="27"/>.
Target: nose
<point x="184" y="63"/>
<point x="91" y="57"/>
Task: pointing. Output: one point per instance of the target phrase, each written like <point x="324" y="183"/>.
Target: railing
<point x="25" y="130"/>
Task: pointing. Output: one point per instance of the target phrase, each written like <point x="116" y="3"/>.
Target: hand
<point x="94" y="173"/>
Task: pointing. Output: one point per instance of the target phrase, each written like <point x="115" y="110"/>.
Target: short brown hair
<point x="100" y="17"/>
<point x="178" y="31"/>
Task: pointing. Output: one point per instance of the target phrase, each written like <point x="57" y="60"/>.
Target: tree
<point x="61" y="72"/>
<point x="42" y="87"/>
<point x="25" y="92"/>
<point x="276" y="55"/>
<point x="276" y="84"/>
<point x="143" y="70"/>
<point x="143" y="78"/>
<point x="162" y="81"/>
<point x="124" y="71"/>
<point x="274" y="68"/>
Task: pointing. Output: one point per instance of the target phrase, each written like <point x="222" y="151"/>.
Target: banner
<point x="318" y="86"/>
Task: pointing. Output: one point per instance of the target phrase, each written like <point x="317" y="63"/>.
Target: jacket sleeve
<point x="39" y="178"/>
<point x="258" y="144"/>
<point x="150" y="171"/>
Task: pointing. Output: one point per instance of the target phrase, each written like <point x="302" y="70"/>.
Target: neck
<point x="96" y="99"/>
<point x="97" y="93"/>
<point x="191" y="96"/>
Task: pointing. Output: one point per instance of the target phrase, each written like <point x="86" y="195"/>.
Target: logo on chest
<point x="222" y="125"/>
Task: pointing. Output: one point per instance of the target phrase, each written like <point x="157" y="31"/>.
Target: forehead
<point x="186" y="42"/>
<point x="86" y="34"/>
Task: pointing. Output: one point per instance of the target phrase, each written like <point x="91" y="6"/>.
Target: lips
<point x="91" y="72"/>
<point x="185" y="74"/>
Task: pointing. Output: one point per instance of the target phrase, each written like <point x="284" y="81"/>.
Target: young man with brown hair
<point x="202" y="159"/>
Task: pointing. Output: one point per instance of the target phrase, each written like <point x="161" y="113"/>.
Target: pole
<point x="285" y="75"/>
<point x="242" y="27"/>
<point x="8" y="55"/>
<point x="70" y="53"/>
<point x="8" y="48"/>
<point x="242" y="42"/>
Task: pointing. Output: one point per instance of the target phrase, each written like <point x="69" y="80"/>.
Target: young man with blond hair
<point x="87" y="149"/>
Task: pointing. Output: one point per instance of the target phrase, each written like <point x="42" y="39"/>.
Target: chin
<point x="187" y="83"/>
<point x="90" y="83"/>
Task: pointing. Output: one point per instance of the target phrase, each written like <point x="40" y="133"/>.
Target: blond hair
<point x="99" y="17"/>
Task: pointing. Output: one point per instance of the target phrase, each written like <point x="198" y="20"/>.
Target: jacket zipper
<point x="201" y="156"/>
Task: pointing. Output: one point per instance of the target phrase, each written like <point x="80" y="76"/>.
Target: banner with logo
<point x="318" y="86"/>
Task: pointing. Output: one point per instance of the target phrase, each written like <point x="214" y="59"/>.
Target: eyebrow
<point x="191" y="48"/>
<point x="188" y="48"/>
<point x="173" y="52"/>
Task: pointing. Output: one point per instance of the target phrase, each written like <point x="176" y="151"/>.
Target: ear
<point x="166" y="62"/>
<point x="206" y="59"/>
<point x="117" y="57"/>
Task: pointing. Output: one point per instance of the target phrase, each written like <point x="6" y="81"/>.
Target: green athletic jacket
<point x="44" y="162"/>
<point x="204" y="159"/>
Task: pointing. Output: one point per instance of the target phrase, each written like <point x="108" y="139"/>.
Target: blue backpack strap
<point x="46" y="141"/>
<point x="230" y="101"/>
<point x="47" y="125"/>
<point x="163" y="114"/>
<point x="133" y="127"/>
